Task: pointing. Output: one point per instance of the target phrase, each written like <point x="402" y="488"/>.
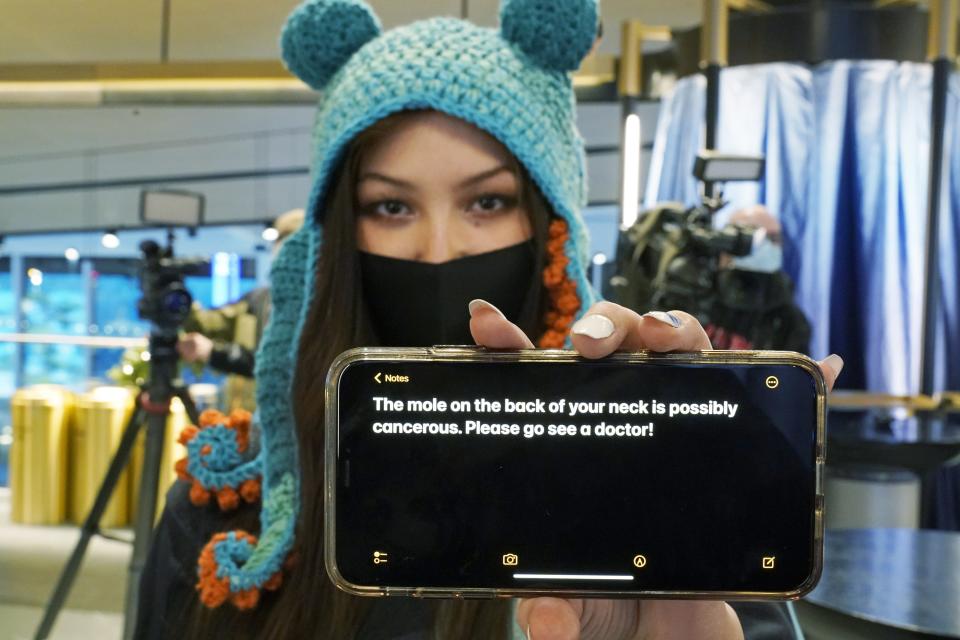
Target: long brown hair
<point x="308" y="604"/>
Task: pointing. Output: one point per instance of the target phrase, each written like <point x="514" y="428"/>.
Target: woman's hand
<point x="606" y="328"/>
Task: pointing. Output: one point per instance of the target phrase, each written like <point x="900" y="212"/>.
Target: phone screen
<point x="590" y="476"/>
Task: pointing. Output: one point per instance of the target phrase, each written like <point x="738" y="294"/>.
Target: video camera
<point x="670" y="258"/>
<point x="166" y="301"/>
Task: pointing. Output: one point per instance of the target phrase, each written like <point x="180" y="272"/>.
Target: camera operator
<point x="754" y="307"/>
<point x="226" y="338"/>
<point x="730" y="278"/>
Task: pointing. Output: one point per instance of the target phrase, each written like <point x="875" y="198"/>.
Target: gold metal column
<point x="101" y="417"/>
<point x="42" y="416"/>
<point x="635" y="33"/>
<point x="714" y="36"/>
<point x="942" y="29"/>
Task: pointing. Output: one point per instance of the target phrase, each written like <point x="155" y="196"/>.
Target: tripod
<point x="153" y="402"/>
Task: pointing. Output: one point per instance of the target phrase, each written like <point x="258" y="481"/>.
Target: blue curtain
<point x="847" y="147"/>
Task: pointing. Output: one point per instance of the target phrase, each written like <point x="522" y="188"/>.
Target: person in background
<point x="754" y="308"/>
<point x="226" y="338"/>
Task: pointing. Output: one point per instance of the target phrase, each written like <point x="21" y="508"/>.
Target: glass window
<point x="96" y="295"/>
<point x="8" y="324"/>
<point x="54" y="302"/>
<point x="248" y="276"/>
<point x="115" y="289"/>
<point x="201" y="288"/>
<point x="237" y="282"/>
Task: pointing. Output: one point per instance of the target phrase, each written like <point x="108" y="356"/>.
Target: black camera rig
<point x="166" y="303"/>
<point x="670" y="258"/>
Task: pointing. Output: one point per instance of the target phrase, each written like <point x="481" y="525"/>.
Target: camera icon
<point x="510" y="560"/>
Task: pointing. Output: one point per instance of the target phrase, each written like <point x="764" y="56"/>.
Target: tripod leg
<point x="146" y="512"/>
<point x="91" y="524"/>
<point x="188" y="404"/>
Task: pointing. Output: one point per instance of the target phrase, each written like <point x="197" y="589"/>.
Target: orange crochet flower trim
<point x="228" y="496"/>
<point x="215" y="591"/>
<point x="561" y="290"/>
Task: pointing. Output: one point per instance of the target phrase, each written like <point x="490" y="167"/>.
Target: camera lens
<point x="735" y="239"/>
<point x="176" y="301"/>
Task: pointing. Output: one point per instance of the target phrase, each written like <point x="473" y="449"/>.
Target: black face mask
<point x="415" y="304"/>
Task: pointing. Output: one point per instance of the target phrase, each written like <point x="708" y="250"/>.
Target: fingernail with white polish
<point x="478" y="305"/>
<point x="664" y="317"/>
<point x="835" y="362"/>
<point x="594" y="326"/>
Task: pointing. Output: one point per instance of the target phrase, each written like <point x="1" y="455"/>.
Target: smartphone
<point x="466" y="472"/>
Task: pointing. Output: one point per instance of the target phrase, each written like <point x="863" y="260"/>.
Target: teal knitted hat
<point x="514" y="83"/>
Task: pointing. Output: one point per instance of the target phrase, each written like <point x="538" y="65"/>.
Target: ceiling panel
<point x="198" y="30"/>
<point x="45" y="170"/>
<point x="28" y="213"/>
<point x="83" y="31"/>
<point x="33" y="31"/>
<point x="39" y="132"/>
<point x="227" y="29"/>
<point x="672" y="13"/>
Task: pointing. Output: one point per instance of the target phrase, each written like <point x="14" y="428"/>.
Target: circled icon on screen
<point x="773" y="382"/>
<point x="639" y="561"/>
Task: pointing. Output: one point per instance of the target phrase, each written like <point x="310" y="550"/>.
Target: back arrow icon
<point x="377" y="377"/>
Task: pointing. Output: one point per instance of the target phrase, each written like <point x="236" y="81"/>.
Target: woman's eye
<point x="491" y="203"/>
<point x="390" y="208"/>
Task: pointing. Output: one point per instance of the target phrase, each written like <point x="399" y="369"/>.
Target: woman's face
<point x="435" y="189"/>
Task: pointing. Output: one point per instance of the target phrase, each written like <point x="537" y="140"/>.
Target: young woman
<point x="445" y="209"/>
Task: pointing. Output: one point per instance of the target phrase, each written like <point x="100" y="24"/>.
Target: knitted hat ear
<point x="320" y="36"/>
<point x="556" y="34"/>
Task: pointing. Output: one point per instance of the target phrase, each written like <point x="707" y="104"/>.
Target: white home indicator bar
<point x="568" y="576"/>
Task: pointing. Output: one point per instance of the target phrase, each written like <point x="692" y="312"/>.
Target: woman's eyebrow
<point x="382" y="178"/>
<point x="480" y="177"/>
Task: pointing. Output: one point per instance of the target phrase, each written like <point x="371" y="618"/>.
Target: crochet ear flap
<point x="320" y="36"/>
<point x="556" y="34"/>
